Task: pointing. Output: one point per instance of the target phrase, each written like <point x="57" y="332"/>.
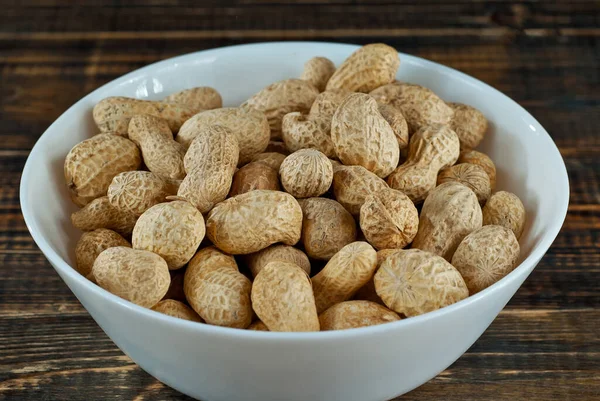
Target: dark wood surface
<point x="546" y="55"/>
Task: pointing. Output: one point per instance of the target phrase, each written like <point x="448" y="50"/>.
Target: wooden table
<point x="545" y="345"/>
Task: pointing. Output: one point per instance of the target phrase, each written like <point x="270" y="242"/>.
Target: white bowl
<point x="372" y="363"/>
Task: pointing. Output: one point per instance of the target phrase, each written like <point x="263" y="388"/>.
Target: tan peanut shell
<point x="300" y="131"/>
<point x="367" y="292"/>
<point x="317" y="71"/>
<point x="221" y="296"/>
<point x="284" y="253"/>
<point x="431" y="149"/>
<point x="258" y="326"/>
<point x="277" y="146"/>
<point x="252" y="221"/>
<point x="137" y="191"/>
<point x="210" y="163"/>
<point x="208" y="259"/>
<point x="389" y="219"/>
<point x="419" y="105"/>
<point x="271" y="159"/>
<point x="326" y="227"/>
<point x="91" y="165"/>
<point x="352" y="185"/>
<point x="367" y="68"/>
<point x="282" y="297"/>
<point x="345" y="273"/>
<point x="470" y="175"/>
<point x="141" y="277"/>
<point x="482" y="160"/>
<point x="172" y="230"/>
<point x="313" y="131"/>
<point x="414" y="282"/>
<point x="306" y="173"/>
<point x="326" y="104"/>
<point x="162" y="155"/>
<point x="200" y="98"/>
<point x="485" y="256"/>
<point x="91" y="244"/>
<point x="280" y="98"/>
<point x="99" y="213"/>
<point x="450" y="212"/>
<point x="469" y="124"/>
<point x="254" y="175"/>
<point x="354" y="314"/>
<point x="112" y="114"/>
<point x="505" y="209"/>
<point x="396" y="120"/>
<point x="177" y="309"/>
<point x="361" y="136"/>
<point x="249" y="126"/>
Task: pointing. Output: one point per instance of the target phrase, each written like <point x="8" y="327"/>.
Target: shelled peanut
<point x="304" y="186"/>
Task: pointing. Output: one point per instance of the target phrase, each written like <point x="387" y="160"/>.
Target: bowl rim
<point x="62" y="267"/>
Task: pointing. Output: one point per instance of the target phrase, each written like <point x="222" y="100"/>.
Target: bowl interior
<point x="527" y="160"/>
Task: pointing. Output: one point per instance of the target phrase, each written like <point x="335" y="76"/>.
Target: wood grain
<point x="544" y="54"/>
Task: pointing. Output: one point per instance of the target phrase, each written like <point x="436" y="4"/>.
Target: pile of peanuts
<point x="293" y="211"/>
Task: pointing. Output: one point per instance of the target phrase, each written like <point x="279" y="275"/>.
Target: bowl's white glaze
<point x="373" y="363"/>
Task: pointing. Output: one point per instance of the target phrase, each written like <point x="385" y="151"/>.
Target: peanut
<point x="313" y="130"/>
<point x="485" y="256"/>
<point x="354" y="314"/>
<point x="345" y="273"/>
<point x="200" y="98"/>
<point x="482" y="160"/>
<point x="141" y="277"/>
<point x="137" y="191"/>
<point x="172" y="230"/>
<point x="396" y="120"/>
<point x="220" y="295"/>
<point x="471" y="176"/>
<point x="253" y="176"/>
<point x="317" y="71"/>
<point x="281" y="98"/>
<point x="450" y="212"/>
<point x="367" y="292"/>
<point x="99" y="213"/>
<point x="284" y="253"/>
<point x="419" y="105"/>
<point x="208" y="259"/>
<point x="505" y="209"/>
<point x="249" y="126"/>
<point x="282" y="297"/>
<point x="361" y="136"/>
<point x="210" y="163"/>
<point x="162" y="155"/>
<point x="326" y="227"/>
<point x="91" y="244"/>
<point x="414" y="282"/>
<point x="91" y="165"/>
<point x="367" y="68"/>
<point x="252" y="221"/>
<point x="112" y="114"/>
<point x="177" y="309"/>
<point x="430" y="150"/>
<point x="306" y="173"/>
<point x="352" y="185"/>
<point x="389" y="219"/>
<point x="469" y="124"/>
<point x="271" y="159"/>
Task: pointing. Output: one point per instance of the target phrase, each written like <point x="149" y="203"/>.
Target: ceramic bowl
<point x="372" y="363"/>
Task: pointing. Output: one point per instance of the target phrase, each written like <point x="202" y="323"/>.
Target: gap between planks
<point x="295" y="33"/>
